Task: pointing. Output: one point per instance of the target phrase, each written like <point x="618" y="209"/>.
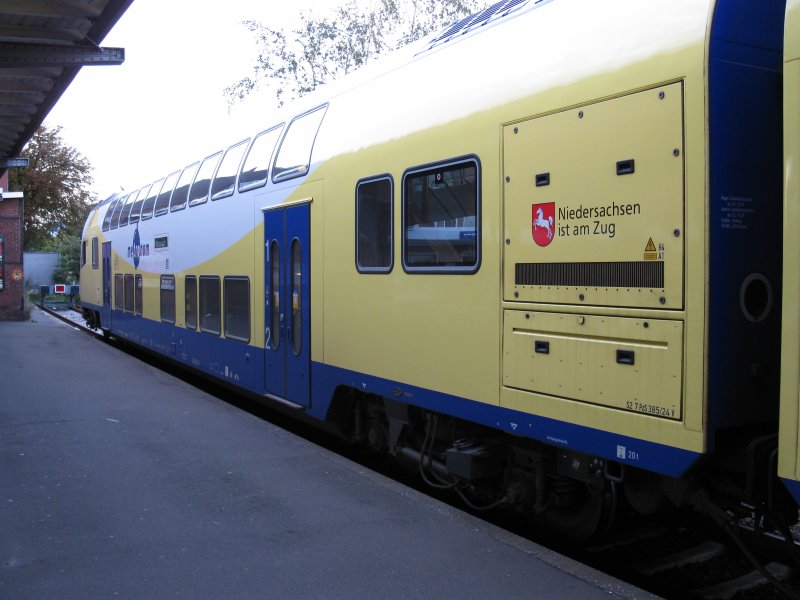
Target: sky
<point x="164" y="107"/>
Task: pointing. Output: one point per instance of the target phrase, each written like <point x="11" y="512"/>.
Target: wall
<point x="11" y="268"/>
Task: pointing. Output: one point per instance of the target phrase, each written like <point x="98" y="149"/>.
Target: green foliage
<point x="69" y="266"/>
<point x="55" y="187"/>
<point x="322" y="49"/>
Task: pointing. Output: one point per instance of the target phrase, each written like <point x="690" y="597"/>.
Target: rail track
<point x="682" y="557"/>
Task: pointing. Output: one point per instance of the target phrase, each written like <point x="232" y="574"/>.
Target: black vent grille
<point x="642" y="274"/>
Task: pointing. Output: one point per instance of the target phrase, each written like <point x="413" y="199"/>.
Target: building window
<point x="294" y="155"/>
<point x="191" y="301"/>
<point x="237" y="308"/>
<point x="374" y="225"/>
<point x="2" y="263"/>
<point x="225" y="179"/>
<point x="256" y="166"/>
<point x="168" y="298"/>
<point x="210" y="315"/>
<point x="95" y="254"/>
<point x="119" y="300"/>
<point x="441" y="218"/>
<point x="138" y="297"/>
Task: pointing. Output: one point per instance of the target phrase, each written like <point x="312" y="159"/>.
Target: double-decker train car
<point x="537" y="255"/>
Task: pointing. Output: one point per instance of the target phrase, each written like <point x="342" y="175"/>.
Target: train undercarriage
<point x="569" y="496"/>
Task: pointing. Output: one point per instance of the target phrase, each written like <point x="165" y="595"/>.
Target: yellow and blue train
<point x="537" y="255"/>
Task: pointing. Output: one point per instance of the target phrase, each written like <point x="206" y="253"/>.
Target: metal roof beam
<point x="44" y="8"/>
<point x="49" y="55"/>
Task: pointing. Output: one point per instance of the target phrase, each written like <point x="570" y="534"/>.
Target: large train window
<point x="117" y="212"/>
<point x="210" y="314"/>
<point x="256" y="166"/>
<point x="95" y="253"/>
<point x="126" y="209"/>
<point x="374" y="225"/>
<point x="109" y="213"/>
<point x="237" y="308"/>
<point x="198" y="194"/>
<point x="190" y="286"/>
<point x="168" y="298"/>
<point x="119" y="300"/>
<point x="294" y="155"/>
<point x="149" y="203"/>
<point x="162" y="202"/>
<point x="441" y="217"/>
<point x="136" y="209"/>
<point x="129" y="293"/>
<point x="181" y="193"/>
<point x="225" y="179"/>
<point x="138" y="296"/>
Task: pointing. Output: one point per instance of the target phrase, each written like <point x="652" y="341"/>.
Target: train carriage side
<point x="530" y="256"/>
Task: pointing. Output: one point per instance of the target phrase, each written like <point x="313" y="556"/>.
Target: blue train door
<point x="288" y="303"/>
<point x="105" y="315"/>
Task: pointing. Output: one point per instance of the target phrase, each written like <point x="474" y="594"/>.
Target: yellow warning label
<point x="650" y="252"/>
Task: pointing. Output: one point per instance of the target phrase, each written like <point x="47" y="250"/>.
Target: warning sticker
<point x="650" y="252"/>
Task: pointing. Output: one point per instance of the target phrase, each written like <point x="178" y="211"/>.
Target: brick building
<point x="12" y="274"/>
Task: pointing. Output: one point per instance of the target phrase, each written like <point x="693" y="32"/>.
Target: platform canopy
<point x="43" y="44"/>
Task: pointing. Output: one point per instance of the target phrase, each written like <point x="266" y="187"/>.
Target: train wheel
<point x="593" y="514"/>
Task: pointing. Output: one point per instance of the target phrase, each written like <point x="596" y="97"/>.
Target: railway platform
<point x="121" y="481"/>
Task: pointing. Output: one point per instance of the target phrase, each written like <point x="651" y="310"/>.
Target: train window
<point x="297" y="297"/>
<point x="95" y="254"/>
<point x="118" y="297"/>
<point x="256" y="166"/>
<point x="138" y="295"/>
<point x="126" y="209"/>
<point x="374" y="225"/>
<point x="109" y="213"/>
<point x="178" y="201"/>
<point x="150" y="202"/>
<point x="225" y="178"/>
<point x="129" y="293"/>
<point x="83" y="252"/>
<point x="237" y="308"/>
<point x="441" y="218"/>
<point x="210" y="316"/>
<point x="191" y="301"/>
<point x="162" y="202"/>
<point x="198" y="194"/>
<point x="117" y="212"/>
<point x="136" y="209"/>
<point x="294" y="155"/>
<point x="168" y="298"/>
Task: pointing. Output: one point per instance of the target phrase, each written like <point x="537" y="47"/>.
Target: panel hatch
<point x="594" y="204"/>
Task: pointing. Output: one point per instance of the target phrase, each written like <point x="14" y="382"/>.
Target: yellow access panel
<point x="594" y="204"/>
<point x="627" y="363"/>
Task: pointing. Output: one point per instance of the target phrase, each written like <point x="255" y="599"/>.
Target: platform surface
<point x="120" y="481"/>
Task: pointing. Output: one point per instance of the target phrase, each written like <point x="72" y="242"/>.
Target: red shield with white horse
<point x="543" y="223"/>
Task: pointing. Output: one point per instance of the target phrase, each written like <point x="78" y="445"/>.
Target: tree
<point x="322" y="49"/>
<point x="55" y="188"/>
<point x="69" y="264"/>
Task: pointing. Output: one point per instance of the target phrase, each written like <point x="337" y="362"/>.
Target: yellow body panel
<point x="613" y="181"/>
<point x="630" y="364"/>
<point x="789" y="454"/>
